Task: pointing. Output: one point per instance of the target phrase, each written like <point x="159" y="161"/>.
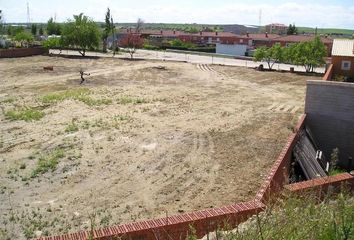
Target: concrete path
<point x="192" y="58"/>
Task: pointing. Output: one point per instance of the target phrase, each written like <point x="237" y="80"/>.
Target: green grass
<point x="336" y="171"/>
<point x="48" y="162"/>
<point x="325" y="30"/>
<point x="26" y="114"/>
<point x="79" y="94"/>
<point x="301" y="218"/>
<point x="72" y="127"/>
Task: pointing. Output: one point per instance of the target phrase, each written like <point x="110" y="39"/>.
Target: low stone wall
<point x="22" y="52"/>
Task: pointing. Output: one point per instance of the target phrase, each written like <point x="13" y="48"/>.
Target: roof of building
<point x="343" y="47"/>
<point x="262" y="36"/>
<point x="301" y="38"/>
<point x="212" y="34"/>
<point x="163" y="33"/>
<point x="277" y="25"/>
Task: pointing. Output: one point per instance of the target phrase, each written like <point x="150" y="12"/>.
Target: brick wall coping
<point x="336" y="179"/>
<point x="245" y="208"/>
<point x="329" y="73"/>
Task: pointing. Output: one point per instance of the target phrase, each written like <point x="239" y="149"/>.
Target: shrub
<point x="300" y="218"/>
<point x="52" y="42"/>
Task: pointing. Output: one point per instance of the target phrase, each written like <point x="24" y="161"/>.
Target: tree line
<point x="309" y="54"/>
<point x="80" y="33"/>
<point x="83" y="34"/>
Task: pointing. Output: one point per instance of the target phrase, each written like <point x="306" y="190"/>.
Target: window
<point x="346" y="65"/>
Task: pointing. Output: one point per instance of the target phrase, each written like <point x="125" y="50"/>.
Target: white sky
<point x="326" y="13"/>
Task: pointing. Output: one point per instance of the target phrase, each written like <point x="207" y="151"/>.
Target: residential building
<point x="291" y="39"/>
<point x="204" y="38"/>
<point x="343" y="58"/>
<point x="261" y="39"/>
<point x="276" y="28"/>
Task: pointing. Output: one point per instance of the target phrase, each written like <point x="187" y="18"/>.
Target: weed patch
<point x="48" y="162"/>
<point x="72" y="127"/>
<point x="27" y="114"/>
<point x="80" y="94"/>
<point x="301" y="218"/>
<point x="131" y="100"/>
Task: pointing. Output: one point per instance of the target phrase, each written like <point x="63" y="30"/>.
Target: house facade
<point x="343" y="58"/>
<point x="277" y="28"/>
<point x="215" y="37"/>
<point x="261" y="39"/>
<point x="291" y="39"/>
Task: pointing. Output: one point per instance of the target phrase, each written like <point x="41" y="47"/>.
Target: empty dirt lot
<point x="138" y="140"/>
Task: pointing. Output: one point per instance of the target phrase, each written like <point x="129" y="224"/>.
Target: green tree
<point x="308" y="54"/>
<point x="108" y="27"/>
<point x="269" y="55"/>
<point x="53" y="28"/>
<point x="40" y="31"/>
<point x="1" y="23"/>
<point x="292" y="30"/>
<point x="52" y="43"/>
<point x="34" y="29"/>
<point x="24" y="38"/>
<point x="81" y="33"/>
<point x="114" y="36"/>
<point x="13" y="31"/>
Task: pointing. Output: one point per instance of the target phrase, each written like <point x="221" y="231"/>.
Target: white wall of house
<point x="231" y="49"/>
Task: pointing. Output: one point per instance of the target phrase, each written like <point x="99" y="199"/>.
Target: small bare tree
<point x="139" y="25"/>
<point x="133" y="41"/>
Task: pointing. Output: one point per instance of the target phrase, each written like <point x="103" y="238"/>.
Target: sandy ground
<point x="171" y="138"/>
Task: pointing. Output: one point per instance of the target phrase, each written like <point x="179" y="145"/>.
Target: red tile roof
<point x="301" y="38"/>
<point x="163" y="33"/>
<point x="262" y="36"/>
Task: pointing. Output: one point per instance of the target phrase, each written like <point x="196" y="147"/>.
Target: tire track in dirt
<point x="284" y="108"/>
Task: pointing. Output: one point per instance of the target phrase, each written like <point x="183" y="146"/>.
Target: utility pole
<point x="260" y="20"/>
<point x="28" y="15"/>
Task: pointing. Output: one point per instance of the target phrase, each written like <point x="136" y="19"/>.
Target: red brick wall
<point x="22" y="52"/>
<point x="329" y="73"/>
<point x="174" y="227"/>
<point x="321" y="186"/>
<point x="279" y="173"/>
